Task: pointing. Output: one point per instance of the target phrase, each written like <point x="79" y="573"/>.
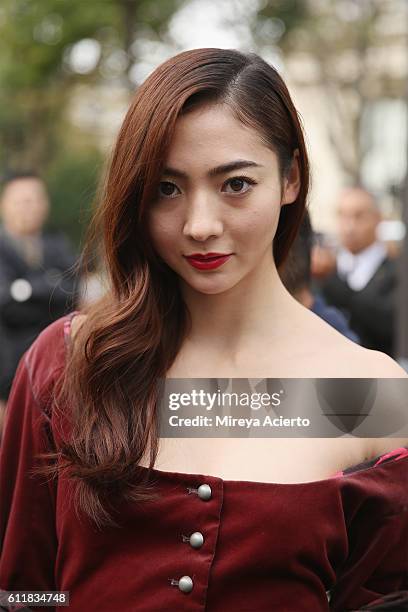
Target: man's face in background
<point x="357" y="220"/>
<point x="24" y="206"/>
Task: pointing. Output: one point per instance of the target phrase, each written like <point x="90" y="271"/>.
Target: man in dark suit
<point x="360" y="278"/>
<point x="37" y="278"/>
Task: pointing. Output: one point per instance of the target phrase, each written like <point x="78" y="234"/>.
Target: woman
<point x="210" y="160"/>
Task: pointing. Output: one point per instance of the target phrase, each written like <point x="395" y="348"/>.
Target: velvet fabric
<point x="335" y="544"/>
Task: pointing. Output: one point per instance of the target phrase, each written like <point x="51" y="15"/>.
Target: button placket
<point x="196" y="539"/>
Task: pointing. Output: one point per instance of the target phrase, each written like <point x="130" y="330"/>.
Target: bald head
<point x="357" y="218"/>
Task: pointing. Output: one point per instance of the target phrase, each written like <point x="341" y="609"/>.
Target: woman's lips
<point x="207" y="263"/>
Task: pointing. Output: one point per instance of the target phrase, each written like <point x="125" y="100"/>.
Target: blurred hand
<point x="323" y="261"/>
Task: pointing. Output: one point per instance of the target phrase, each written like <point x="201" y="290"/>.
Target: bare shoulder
<point x="355" y="361"/>
<point x="347" y="359"/>
<point x="385" y="365"/>
<point x="368" y="363"/>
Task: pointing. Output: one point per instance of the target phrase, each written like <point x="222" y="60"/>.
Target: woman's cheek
<point x="160" y="231"/>
<point x="256" y="224"/>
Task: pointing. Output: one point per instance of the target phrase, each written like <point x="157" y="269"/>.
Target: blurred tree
<point x="72" y="179"/>
<point x="353" y="50"/>
<point x="278" y="19"/>
<point x="40" y="61"/>
<point x="47" y="49"/>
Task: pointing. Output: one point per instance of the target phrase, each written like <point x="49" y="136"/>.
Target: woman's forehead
<point x="212" y="137"/>
<point x="212" y="120"/>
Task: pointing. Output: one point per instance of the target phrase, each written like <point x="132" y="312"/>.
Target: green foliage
<point x="72" y="180"/>
<point x="36" y="37"/>
<point x="290" y="13"/>
<point x="35" y="34"/>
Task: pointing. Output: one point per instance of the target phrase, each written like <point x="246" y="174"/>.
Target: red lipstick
<point x="209" y="261"/>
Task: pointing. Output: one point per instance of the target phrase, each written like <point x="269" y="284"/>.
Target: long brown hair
<point x="132" y="335"/>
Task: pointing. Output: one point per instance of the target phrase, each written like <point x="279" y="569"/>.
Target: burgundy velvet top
<point x="335" y="544"/>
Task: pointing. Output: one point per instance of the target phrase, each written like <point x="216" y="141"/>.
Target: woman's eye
<point x="236" y="183"/>
<point x="166" y="189"/>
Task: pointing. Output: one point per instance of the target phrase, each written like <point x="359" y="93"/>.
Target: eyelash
<point x="247" y="179"/>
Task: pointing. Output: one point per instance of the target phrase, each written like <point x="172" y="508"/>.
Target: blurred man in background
<point x="296" y="276"/>
<point x="37" y="281"/>
<point x="360" y="278"/>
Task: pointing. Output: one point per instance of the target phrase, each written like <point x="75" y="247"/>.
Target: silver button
<point x="204" y="492"/>
<point x="196" y="539"/>
<point x="185" y="584"/>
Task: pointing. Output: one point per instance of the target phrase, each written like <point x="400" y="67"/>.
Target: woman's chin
<point x="208" y="286"/>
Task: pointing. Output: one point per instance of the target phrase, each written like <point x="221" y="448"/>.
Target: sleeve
<point x="375" y="574"/>
<point x="28" y="541"/>
<point x="7" y="361"/>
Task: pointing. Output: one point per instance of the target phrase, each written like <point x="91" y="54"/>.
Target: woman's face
<point x="203" y="206"/>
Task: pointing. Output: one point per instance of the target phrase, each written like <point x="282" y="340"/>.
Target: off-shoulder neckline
<point x="388" y="458"/>
<point x="186" y="476"/>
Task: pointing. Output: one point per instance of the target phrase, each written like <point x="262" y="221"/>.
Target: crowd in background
<point x="37" y="272"/>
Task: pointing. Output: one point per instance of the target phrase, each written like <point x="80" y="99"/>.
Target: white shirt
<point x="357" y="270"/>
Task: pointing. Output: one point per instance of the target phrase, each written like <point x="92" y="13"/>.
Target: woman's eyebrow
<point x="223" y="169"/>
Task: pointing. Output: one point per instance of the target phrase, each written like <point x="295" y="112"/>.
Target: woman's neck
<point x="259" y="307"/>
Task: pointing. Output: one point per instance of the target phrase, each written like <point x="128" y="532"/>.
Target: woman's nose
<point x="202" y="219"/>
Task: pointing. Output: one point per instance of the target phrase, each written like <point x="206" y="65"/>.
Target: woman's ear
<point x="291" y="182"/>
